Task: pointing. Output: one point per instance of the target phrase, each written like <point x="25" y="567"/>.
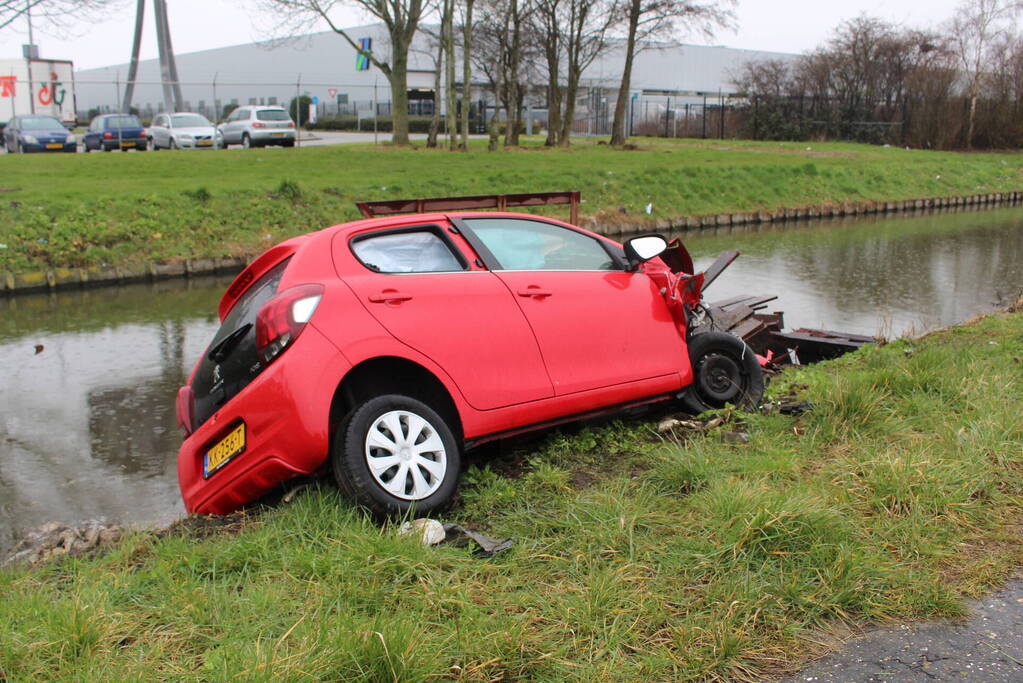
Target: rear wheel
<point x="725" y="371"/>
<point x="395" y="453"/>
<point x="246" y="141"/>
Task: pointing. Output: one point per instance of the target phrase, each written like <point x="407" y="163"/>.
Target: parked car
<point x="38" y="133"/>
<point x="383" y="348"/>
<point x="257" y="126"/>
<point x="115" y="131"/>
<point x="183" y="130"/>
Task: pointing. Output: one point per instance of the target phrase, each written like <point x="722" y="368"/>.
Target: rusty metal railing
<point x="500" y="202"/>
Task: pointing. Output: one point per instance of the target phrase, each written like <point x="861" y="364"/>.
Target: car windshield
<point x="123" y="122"/>
<point x="40" y="123"/>
<point x="189" y="121"/>
<point x="272" y="115"/>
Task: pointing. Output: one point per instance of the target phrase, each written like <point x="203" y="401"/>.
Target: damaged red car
<point x="382" y="349"/>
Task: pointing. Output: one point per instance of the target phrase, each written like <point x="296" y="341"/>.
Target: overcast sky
<point x="777" y="25"/>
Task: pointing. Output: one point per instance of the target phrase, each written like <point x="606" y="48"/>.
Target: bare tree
<point x="974" y="31"/>
<point x="400" y="17"/>
<point x="649" y="19"/>
<point x="548" y="19"/>
<point x="467" y="28"/>
<point x="585" y="39"/>
<point x="51" y="13"/>
<point x="500" y="40"/>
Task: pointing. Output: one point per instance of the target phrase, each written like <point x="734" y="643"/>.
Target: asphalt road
<point x="987" y="646"/>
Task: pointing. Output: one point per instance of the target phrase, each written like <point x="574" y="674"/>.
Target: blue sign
<point x="361" y="60"/>
<point x="316" y="100"/>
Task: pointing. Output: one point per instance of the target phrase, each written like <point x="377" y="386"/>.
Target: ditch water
<point x="87" y="425"/>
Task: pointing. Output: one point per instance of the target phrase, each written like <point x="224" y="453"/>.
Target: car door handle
<point x="389" y="296"/>
<point x="534" y="291"/>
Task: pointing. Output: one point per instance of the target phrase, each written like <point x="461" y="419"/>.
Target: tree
<point x="974" y="30"/>
<point x="467" y="27"/>
<point x="400" y="17"/>
<point x="649" y="19"/>
<point x="50" y="13"/>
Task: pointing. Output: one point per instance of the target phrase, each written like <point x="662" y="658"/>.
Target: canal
<point x="88" y="431"/>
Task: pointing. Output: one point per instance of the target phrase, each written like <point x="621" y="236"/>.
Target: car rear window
<point x="123" y="122"/>
<point x="272" y="115"/>
<point x="218" y="379"/>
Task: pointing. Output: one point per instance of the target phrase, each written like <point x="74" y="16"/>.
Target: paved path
<point x="987" y="646"/>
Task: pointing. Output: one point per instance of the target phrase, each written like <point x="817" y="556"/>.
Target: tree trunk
<point x="398" y="78"/>
<point x="618" y="133"/>
<point x="553" y="103"/>
<point x="466" y="73"/>
<point x="494" y="130"/>
<point x="431" y="139"/>
<point x="969" y="128"/>
<point x="571" y="91"/>
<point x="448" y="39"/>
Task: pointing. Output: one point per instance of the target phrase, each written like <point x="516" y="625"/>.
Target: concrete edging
<point x="70" y="278"/>
<point x="687" y="223"/>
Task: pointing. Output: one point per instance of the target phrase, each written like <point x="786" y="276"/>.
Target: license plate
<point x="204" y="143"/>
<point x="277" y="135"/>
<point x="127" y="144"/>
<point x="228" y="447"/>
<point x="54" y="146"/>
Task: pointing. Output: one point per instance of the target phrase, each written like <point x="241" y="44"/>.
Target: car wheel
<point x="151" y="144"/>
<point x="289" y="143"/>
<point x="394" y="453"/>
<point x="246" y="141"/>
<point x="173" y="145"/>
<point x="725" y="370"/>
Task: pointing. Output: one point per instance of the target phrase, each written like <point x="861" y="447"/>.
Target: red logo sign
<point x="331" y="93"/>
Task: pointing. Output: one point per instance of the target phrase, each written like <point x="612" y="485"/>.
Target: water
<point x="87" y="428"/>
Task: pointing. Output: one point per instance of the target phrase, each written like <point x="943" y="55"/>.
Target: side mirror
<point x="643" y="248"/>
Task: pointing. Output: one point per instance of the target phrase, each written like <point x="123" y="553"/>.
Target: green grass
<point x="118" y="209"/>
<point x="635" y="558"/>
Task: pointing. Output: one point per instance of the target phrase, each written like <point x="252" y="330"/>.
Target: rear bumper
<point x="286" y="411"/>
<point x="272" y="137"/>
<point x="125" y="143"/>
<point x="49" y="147"/>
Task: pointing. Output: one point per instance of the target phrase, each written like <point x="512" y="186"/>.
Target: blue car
<point x="38" y="133"/>
<point x="115" y="131"/>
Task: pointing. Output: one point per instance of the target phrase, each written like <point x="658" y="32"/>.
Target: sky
<point x="773" y="25"/>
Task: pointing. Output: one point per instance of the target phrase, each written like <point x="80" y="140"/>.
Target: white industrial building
<point x="323" y="66"/>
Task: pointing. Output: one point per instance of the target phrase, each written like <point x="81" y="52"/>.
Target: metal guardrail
<point x="501" y="202"/>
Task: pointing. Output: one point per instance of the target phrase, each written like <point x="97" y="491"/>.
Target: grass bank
<point x="119" y="209"/>
<point x="636" y="558"/>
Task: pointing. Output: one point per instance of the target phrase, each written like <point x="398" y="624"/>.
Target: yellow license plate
<point x="228" y="447"/>
<point x="277" y="135"/>
<point x="205" y="143"/>
<point x="54" y="146"/>
<point x="127" y="144"/>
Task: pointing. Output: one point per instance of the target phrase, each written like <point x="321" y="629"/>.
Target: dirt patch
<point x="207" y="526"/>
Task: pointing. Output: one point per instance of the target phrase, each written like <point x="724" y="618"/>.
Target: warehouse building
<point x="325" y="67"/>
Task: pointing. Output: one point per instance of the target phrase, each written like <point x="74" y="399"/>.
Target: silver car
<point x="183" y="131"/>
<point x="255" y="126"/>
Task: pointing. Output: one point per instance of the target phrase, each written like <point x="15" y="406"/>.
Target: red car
<point x="381" y="349"/>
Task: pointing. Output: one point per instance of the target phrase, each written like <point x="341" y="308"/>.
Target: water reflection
<point x="87" y="426"/>
<point x="869" y="275"/>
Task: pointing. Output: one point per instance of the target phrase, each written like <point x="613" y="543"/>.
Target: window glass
<point x="40" y="123"/>
<point x="533" y="245"/>
<point x="272" y="115"/>
<point x="123" y="122"/>
<point x="421" y="251"/>
<point x="189" y="121"/>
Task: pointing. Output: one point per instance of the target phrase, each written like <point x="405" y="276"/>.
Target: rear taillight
<point x="108" y="136"/>
<point x="282" y="319"/>
<point x="258" y="124"/>
<point x="186" y="410"/>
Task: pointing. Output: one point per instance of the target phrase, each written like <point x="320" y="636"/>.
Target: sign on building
<point x="361" y="60"/>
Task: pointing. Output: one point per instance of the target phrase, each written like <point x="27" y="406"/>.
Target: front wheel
<point x="725" y="370"/>
<point x="246" y="141"/>
<point x="394" y="453"/>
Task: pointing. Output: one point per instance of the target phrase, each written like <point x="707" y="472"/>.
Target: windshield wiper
<point x="224" y="347"/>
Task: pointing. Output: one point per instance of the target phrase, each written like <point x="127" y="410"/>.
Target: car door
<point x="158" y="131"/>
<point x="597" y="324"/>
<point x="233" y="127"/>
<point x="418" y="283"/>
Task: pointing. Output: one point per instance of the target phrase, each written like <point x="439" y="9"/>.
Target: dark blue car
<point x="38" y="133"/>
<point x="115" y="131"/>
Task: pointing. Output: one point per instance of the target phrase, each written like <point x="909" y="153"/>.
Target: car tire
<point x="173" y="144"/>
<point x="377" y="467"/>
<point x="246" y="141"/>
<point x="151" y="144"/>
<point x="725" y="370"/>
<point x="289" y="143"/>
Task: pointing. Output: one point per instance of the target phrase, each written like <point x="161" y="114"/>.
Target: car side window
<point x="409" y="251"/>
<point x="522" y="244"/>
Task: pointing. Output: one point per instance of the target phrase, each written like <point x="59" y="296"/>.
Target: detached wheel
<point x="394" y="453"/>
<point x="725" y="370"/>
